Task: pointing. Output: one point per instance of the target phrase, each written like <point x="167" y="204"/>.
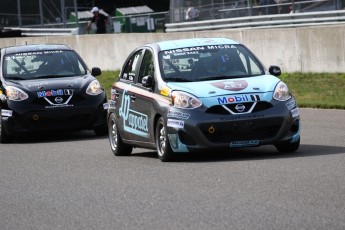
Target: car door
<point x="144" y="96"/>
<point x="135" y="107"/>
<point x="124" y="96"/>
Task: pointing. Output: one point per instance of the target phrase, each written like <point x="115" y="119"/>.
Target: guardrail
<point x="262" y="21"/>
<point x="32" y="32"/>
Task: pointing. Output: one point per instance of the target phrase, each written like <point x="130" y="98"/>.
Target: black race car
<point x="48" y="87"/>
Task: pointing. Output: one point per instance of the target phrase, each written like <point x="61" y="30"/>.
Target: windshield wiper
<point x="218" y="78"/>
<point x="177" y="79"/>
<point x="15" y="78"/>
<point x="51" y="76"/>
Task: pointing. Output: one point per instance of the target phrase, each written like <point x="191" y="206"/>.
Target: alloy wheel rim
<point x="162" y="141"/>
<point x="113" y="134"/>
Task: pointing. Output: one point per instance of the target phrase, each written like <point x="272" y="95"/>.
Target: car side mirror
<point x="147" y="81"/>
<point x="275" y="70"/>
<point x="96" y="71"/>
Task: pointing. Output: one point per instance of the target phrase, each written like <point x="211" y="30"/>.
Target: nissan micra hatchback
<point x="197" y="94"/>
<point x="47" y="88"/>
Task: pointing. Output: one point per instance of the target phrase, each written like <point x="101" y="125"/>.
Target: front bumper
<point x="34" y="119"/>
<point x="205" y="131"/>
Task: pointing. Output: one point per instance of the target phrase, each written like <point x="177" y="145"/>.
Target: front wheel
<point x="287" y="147"/>
<point x="164" y="150"/>
<point x="117" y="146"/>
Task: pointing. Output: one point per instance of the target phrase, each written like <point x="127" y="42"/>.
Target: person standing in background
<point x="99" y="19"/>
<point x="192" y="13"/>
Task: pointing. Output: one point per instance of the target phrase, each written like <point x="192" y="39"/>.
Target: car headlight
<point x="184" y="100"/>
<point x="281" y="92"/>
<point x="94" y="88"/>
<point x="15" y="94"/>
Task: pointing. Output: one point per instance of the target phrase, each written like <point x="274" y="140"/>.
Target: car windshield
<point x="208" y="63"/>
<point x="42" y="64"/>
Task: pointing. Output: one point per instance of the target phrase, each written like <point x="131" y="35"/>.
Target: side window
<point x="147" y="67"/>
<point x="131" y="67"/>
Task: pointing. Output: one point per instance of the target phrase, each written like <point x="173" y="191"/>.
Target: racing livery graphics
<point x="189" y="95"/>
<point x="48" y="88"/>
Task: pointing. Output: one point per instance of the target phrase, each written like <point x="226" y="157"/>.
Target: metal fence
<point x="198" y="10"/>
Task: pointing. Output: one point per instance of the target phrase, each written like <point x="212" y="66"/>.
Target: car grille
<point x="226" y="132"/>
<point x="74" y="100"/>
<point x="224" y="109"/>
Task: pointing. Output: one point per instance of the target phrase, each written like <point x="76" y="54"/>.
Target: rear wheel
<point x="117" y="146"/>
<point x="287" y="147"/>
<point x="164" y="150"/>
<point x="4" y="136"/>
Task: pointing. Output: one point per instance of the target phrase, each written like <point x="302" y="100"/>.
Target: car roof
<point x="35" y="47"/>
<point x="193" y="42"/>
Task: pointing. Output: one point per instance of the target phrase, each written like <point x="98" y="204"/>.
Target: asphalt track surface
<point x="73" y="181"/>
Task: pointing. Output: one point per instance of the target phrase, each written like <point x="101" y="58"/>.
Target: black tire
<point x="117" y="146"/>
<point x="164" y="150"/>
<point x="4" y="136"/>
<point x="287" y="147"/>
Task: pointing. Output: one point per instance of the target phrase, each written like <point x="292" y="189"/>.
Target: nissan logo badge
<point x="58" y="100"/>
<point x="240" y="108"/>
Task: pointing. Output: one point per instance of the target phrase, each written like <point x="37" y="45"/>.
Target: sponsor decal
<point x="165" y="91"/>
<point x="6" y="113"/>
<point x="133" y="121"/>
<point x="112" y="104"/>
<point x="49" y="93"/>
<point x="291" y="104"/>
<point x="238" y="99"/>
<point x="31" y="54"/>
<point x="53" y="106"/>
<point x="175" y="123"/>
<point x="294" y="112"/>
<point x="68" y="92"/>
<point x="241" y="117"/>
<point x="234" y="85"/>
<point x="38" y="84"/>
<point x="198" y="48"/>
<point x="238" y="144"/>
<point x="178" y="114"/>
<point x="55" y="93"/>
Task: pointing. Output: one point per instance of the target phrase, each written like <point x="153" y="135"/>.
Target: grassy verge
<point x="317" y="90"/>
<point x="312" y="90"/>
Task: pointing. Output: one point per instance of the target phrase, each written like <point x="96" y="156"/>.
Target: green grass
<point x="312" y="90"/>
<point x="107" y="79"/>
<point x="317" y="90"/>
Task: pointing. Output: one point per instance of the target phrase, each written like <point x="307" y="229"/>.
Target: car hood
<point x="260" y="84"/>
<point x="212" y="91"/>
<point x="54" y="83"/>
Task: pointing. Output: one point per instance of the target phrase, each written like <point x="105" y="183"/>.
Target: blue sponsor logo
<point x="238" y="99"/>
<point x="49" y="93"/>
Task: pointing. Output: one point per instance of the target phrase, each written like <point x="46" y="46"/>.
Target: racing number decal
<point x="133" y="121"/>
